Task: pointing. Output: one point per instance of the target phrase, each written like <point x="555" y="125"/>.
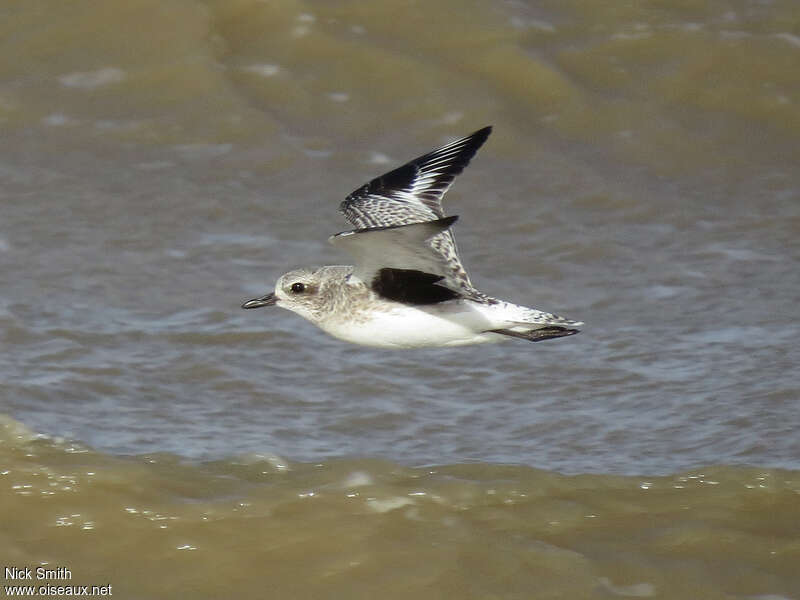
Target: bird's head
<point x="297" y="290"/>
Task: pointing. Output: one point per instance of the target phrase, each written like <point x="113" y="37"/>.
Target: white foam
<point x="357" y="479"/>
<point x="387" y="504"/>
<point x="636" y="590"/>
<point x="792" y="39"/>
<point x="198" y="151"/>
<point x="264" y="70"/>
<point x="92" y="79"/>
<point x="378" y="158"/>
<point x="58" y="120"/>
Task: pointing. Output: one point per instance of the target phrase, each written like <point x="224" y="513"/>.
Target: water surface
<point x="164" y="161"/>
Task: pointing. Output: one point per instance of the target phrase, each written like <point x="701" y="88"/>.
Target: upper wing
<point x="413" y="193"/>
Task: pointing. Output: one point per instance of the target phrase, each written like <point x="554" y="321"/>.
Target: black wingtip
<point x="477" y="138"/>
<point x="482" y="134"/>
<point x="468" y="145"/>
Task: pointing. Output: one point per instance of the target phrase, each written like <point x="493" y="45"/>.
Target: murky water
<point x="163" y="161"/>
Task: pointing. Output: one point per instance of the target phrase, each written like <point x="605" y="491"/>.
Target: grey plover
<point x="408" y="288"/>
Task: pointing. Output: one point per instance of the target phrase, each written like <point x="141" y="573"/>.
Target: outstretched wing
<point x="413" y="193"/>
<point x="399" y="264"/>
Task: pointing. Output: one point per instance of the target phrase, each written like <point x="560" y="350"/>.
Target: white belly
<point x="446" y="324"/>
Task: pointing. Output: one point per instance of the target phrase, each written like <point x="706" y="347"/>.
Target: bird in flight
<point x="408" y="288"/>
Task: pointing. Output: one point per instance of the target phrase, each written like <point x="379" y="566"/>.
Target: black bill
<point x="268" y="300"/>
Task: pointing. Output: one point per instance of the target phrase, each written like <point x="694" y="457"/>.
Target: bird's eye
<point x="298" y="288"/>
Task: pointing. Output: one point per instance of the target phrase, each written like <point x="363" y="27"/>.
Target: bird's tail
<point x="538" y="335"/>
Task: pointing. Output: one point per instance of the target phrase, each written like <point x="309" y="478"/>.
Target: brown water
<point x="163" y="161"/>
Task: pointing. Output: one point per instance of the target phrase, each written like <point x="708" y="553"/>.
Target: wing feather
<point x="402" y="247"/>
<point x="413" y="194"/>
